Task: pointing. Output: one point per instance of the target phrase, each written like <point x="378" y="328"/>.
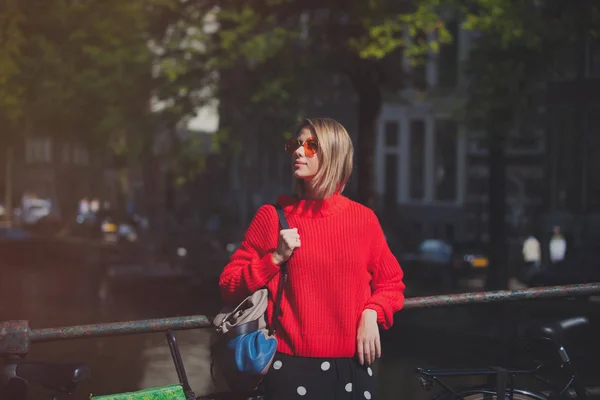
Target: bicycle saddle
<point x="551" y="331"/>
<point x="59" y="377"/>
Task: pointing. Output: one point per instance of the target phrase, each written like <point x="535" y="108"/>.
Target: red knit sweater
<point x="343" y="267"/>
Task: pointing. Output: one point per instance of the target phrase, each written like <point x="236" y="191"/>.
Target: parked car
<point x="111" y="226"/>
<point x="443" y="263"/>
<point x="470" y="258"/>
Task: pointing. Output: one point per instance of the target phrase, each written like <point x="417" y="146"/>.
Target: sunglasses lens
<point x="310" y="147"/>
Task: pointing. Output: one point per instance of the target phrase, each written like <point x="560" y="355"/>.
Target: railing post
<point x="14" y="338"/>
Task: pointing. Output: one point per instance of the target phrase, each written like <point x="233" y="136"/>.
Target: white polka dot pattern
<point x="327" y="366"/>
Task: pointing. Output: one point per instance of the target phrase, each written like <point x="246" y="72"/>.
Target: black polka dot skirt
<point x="318" y="379"/>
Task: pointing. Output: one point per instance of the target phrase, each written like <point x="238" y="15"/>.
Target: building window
<point x="66" y="153"/>
<point x="391" y="179"/>
<point x="448" y="58"/>
<point x="534" y="188"/>
<point x="449" y="232"/>
<point x="593" y="138"/>
<point x="417" y="159"/>
<point x="593" y="59"/>
<point x="563" y="131"/>
<point x="472" y="226"/>
<point x="38" y="150"/>
<point x="446" y="160"/>
<point x="391" y="133"/>
<point x="565" y="62"/>
<point x="418" y="227"/>
<point x="477" y="144"/>
<point x="418" y="71"/>
<point x="478" y="185"/>
<point x="419" y="76"/>
<point x="80" y="156"/>
<point x="525" y="142"/>
<point x="437" y="231"/>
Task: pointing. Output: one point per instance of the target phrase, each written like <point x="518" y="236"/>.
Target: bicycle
<point x="545" y="341"/>
<point x="62" y="379"/>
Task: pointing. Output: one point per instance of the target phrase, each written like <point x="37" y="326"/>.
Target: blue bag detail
<point x="253" y="352"/>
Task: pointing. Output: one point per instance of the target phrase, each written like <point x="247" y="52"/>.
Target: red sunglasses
<point x="311" y="146"/>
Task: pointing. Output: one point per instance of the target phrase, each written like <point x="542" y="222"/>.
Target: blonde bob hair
<point x="335" y="157"/>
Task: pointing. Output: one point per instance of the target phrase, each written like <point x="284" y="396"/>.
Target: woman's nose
<point x="299" y="151"/>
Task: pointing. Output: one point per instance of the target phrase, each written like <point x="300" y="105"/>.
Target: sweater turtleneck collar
<point x="313" y="208"/>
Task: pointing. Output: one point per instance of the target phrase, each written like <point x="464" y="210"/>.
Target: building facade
<point x="421" y="169"/>
<point x="61" y="171"/>
<point x="421" y="152"/>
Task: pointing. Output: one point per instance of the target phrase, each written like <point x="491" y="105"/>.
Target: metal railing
<point x="16" y="336"/>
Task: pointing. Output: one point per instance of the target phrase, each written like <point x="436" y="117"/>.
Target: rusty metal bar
<point x="585" y="289"/>
<point x="201" y="321"/>
<point x="118" y="328"/>
<point x="15" y="336"/>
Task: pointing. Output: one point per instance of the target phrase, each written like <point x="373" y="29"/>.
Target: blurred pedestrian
<point x="532" y="257"/>
<point x="95" y="206"/>
<point x="558" y="245"/>
<point x="84" y="206"/>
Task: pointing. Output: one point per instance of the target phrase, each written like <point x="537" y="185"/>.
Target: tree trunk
<point x="124" y="193"/>
<point x="576" y="194"/>
<point x="498" y="272"/>
<point x="8" y="209"/>
<point x="369" y="106"/>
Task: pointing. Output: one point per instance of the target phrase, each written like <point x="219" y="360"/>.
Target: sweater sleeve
<point x="386" y="284"/>
<point x="251" y="267"/>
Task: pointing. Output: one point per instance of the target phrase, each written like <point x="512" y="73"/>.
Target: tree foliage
<point x="11" y="41"/>
<point x="349" y="38"/>
<point x="87" y="69"/>
<point x="80" y="69"/>
<point x="522" y="46"/>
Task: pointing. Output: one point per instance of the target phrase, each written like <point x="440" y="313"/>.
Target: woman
<point x="343" y="284"/>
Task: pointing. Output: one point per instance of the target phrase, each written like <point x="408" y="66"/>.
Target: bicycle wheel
<point x="490" y="394"/>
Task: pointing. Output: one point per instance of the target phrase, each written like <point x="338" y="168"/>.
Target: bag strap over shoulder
<point x="284" y="275"/>
<point x="282" y="220"/>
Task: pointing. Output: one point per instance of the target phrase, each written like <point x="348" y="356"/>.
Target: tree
<point x="79" y="71"/>
<point x="356" y="39"/>
<point x="11" y="41"/>
<point x="260" y="94"/>
<point x="503" y="79"/>
<point x="515" y="55"/>
<point x="362" y="40"/>
<point x="87" y="67"/>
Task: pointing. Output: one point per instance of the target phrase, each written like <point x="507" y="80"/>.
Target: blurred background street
<point x="81" y="290"/>
<point x="138" y="138"/>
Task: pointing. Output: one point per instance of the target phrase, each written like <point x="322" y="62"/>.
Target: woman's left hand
<point x="368" y="343"/>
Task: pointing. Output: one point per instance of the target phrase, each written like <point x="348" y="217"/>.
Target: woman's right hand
<point x="289" y="240"/>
